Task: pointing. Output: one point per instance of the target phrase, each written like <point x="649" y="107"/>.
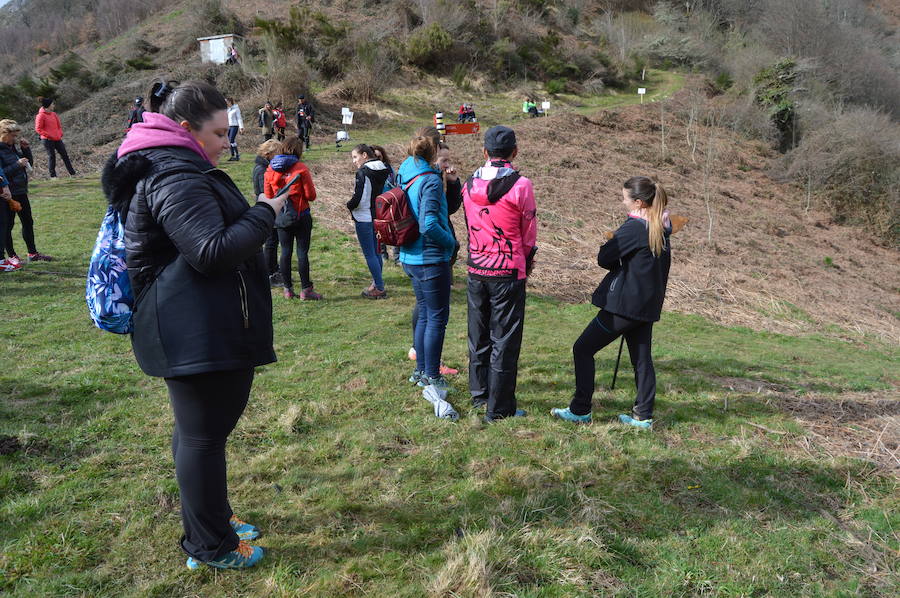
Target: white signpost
<point x="641" y="92"/>
<point x="346" y="119"/>
<point x="545" y="106"/>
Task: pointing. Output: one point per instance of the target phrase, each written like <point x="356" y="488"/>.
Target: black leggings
<point x="206" y="407"/>
<point x="601" y="331"/>
<point x="57" y="146"/>
<point x="27" y="221"/>
<point x="302" y="233"/>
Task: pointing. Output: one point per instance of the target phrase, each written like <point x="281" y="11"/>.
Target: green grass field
<point x="360" y="491"/>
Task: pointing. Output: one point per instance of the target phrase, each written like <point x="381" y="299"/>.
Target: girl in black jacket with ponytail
<point x="203" y="309"/>
<point x="630" y="298"/>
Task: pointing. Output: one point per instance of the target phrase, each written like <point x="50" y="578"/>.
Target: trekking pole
<point x="618" y="359"/>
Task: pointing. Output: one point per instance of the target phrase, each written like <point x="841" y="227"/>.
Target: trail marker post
<point x="641" y="92"/>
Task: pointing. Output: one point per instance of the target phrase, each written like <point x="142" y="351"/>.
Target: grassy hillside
<point x="772" y="469"/>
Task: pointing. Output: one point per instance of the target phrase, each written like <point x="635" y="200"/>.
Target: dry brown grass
<point x="766" y="266"/>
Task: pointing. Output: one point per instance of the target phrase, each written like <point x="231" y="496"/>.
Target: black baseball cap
<point x="499" y="139"/>
<point x="138" y="101"/>
<point x="301" y="97"/>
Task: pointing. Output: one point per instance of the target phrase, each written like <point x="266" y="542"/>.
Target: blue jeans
<point x="431" y="284"/>
<point x="365" y="232"/>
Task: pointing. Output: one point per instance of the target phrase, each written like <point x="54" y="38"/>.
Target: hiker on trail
<point x="280" y="122"/>
<point x="282" y="169"/>
<point x="233" y="56"/>
<point x="529" y="107"/>
<point x="306" y="116"/>
<point x="235" y="126"/>
<point x="16" y="162"/>
<point x="48" y="127"/>
<point x="136" y="114"/>
<point x="390" y="183"/>
<point x="5" y="197"/>
<point x="264" y="154"/>
<point x="371" y="175"/>
<point x="426" y="261"/>
<point x="502" y="226"/>
<point x="630" y="298"/>
<point x="203" y="315"/>
<point x="267" y="121"/>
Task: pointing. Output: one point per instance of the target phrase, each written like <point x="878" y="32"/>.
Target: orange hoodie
<point x="47" y="125"/>
<point x="282" y="169"/>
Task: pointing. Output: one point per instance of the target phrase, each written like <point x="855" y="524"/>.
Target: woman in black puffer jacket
<point x="203" y="310"/>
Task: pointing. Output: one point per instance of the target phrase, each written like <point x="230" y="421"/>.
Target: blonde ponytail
<point x="654" y="197"/>
<point x="655" y="213"/>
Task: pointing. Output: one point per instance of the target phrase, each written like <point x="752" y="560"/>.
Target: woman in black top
<point x="203" y="309"/>
<point x="630" y="297"/>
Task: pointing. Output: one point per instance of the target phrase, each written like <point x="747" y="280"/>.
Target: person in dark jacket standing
<point x="47" y="125"/>
<point x="136" y="115"/>
<point x="306" y="116"/>
<point x="5" y="197"/>
<point x="630" y="298"/>
<point x="203" y="314"/>
<point x="502" y="226"/>
<point x="16" y="162"/>
<point x="371" y="175"/>
<point x="264" y="154"/>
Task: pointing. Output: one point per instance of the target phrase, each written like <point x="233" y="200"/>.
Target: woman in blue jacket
<point x="427" y="259"/>
<point x="630" y="298"/>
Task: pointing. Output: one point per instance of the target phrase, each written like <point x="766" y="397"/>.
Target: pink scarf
<point x="158" y="130"/>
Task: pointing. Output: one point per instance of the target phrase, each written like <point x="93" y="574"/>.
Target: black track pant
<point x="496" y="318"/>
<point x="26" y="220"/>
<point x="603" y="330"/>
<point x="57" y="146"/>
<point x="270" y="250"/>
<point x="301" y="232"/>
<point x="207" y="407"/>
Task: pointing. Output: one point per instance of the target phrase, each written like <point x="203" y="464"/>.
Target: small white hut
<point x="217" y="48"/>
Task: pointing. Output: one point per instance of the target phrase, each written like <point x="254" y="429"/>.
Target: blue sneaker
<point x="242" y="557"/>
<point x="644" y="424"/>
<point x="416" y="378"/>
<point x="568" y="416"/>
<point x="244" y="530"/>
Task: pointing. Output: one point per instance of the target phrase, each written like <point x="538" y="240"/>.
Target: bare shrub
<point x="852" y="165"/>
<point x="370" y="73"/>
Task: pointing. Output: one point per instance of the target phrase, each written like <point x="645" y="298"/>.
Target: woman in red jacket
<point x="47" y="125"/>
<point x="282" y="169"/>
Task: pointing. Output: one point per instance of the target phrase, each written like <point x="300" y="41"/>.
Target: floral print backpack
<point x="108" y="292"/>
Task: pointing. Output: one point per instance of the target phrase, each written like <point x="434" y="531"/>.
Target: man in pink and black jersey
<point x="502" y="228"/>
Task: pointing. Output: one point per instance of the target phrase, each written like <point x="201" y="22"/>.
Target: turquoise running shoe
<point x="438" y="382"/>
<point x="242" y="557"/>
<point x="568" y="416"/>
<point x="416" y="378"/>
<point x="644" y="424"/>
<point x="244" y="530"/>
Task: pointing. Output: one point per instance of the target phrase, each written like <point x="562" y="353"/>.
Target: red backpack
<point x="394" y="221"/>
<point x="280" y="120"/>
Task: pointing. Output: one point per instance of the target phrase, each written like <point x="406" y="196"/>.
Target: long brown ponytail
<point x="654" y="197"/>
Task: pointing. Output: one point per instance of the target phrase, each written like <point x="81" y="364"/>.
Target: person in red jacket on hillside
<point x="47" y="125"/>
<point x="282" y="169"/>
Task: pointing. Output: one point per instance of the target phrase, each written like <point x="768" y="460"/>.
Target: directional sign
<point x="461" y="129"/>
